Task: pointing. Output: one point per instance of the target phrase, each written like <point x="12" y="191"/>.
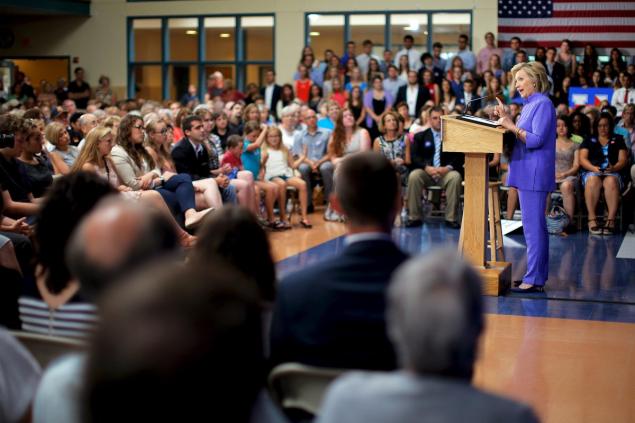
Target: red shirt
<point x="303" y="89"/>
<point x="230" y="159"/>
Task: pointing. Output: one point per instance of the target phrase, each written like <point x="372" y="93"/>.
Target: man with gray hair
<point x="86" y="122"/>
<point x="434" y="318"/>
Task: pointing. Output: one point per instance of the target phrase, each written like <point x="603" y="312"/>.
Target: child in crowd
<point x="232" y="155"/>
<point x="254" y="134"/>
<point x="279" y="165"/>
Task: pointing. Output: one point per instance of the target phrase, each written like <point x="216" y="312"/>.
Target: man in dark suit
<point x="413" y="94"/>
<point x="190" y="156"/>
<point x="432" y="166"/>
<point x="435" y="319"/>
<point x="271" y="93"/>
<point x="332" y="314"/>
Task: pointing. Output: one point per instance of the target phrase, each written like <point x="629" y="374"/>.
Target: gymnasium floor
<point x="570" y="353"/>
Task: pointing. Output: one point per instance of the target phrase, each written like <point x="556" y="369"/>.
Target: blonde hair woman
<point x="95" y="157"/>
<point x="531" y="166"/>
<point x="63" y="154"/>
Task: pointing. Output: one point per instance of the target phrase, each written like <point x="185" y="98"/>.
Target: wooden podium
<point x="476" y="141"/>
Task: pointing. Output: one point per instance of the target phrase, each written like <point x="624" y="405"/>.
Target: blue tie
<point x="436" y="161"/>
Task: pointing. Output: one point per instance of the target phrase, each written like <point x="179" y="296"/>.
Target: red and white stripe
<point x="602" y="23"/>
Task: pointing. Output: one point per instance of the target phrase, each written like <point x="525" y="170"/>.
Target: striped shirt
<point x="73" y="319"/>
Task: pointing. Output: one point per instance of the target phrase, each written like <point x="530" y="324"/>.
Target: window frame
<point x="240" y="62"/>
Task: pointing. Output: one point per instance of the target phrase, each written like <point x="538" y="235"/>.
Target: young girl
<point x="279" y="165"/>
<point x="250" y="157"/>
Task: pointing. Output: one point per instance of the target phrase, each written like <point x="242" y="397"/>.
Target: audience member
<point x="19" y="378"/>
<point x="413" y="94"/>
<point x="279" y="166"/>
<point x="466" y="55"/>
<point x="331" y="314"/>
<point x="604" y="160"/>
<point x="79" y="90"/>
<point x="409" y="51"/>
<point x="310" y="145"/>
<point x="435" y="319"/>
<point x="433" y="166"/>
<point x="53" y="303"/>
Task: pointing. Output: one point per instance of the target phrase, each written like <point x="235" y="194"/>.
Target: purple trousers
<point x="532" y="204"/>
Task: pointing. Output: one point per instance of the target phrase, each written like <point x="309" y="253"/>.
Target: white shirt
<point x="367" y="236"/>
<point x="414" y="58"/>
<point x="269" y="95"/>
<point x="411" y="98"/>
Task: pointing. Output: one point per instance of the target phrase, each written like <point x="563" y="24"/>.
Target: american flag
<point x="603" y="23"/>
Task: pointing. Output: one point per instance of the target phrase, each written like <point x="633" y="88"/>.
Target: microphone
<point x="477" y="98"/>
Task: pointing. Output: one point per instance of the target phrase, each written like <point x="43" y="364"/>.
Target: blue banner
<point x="589" y="96"/>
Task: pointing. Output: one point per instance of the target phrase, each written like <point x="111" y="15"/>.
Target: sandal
<point x="609" y="227"/>
<point x="276" y="225"/>
<point x="597" y="229"/>
<point x="305" y="224"/>
<point x="286" y="225"/>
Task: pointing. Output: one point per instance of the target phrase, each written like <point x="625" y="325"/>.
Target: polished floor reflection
<point x="569" y="353"/>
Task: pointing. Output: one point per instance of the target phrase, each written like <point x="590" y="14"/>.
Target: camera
<point x="7" y="140"/>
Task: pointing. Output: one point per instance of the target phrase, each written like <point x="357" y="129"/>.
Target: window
<point x="168" y="54"/>
<point x="386" y="30"/>
<point x="368" y="27"/>
<point x="448" y="27"/>
<point x="326" y="32"/>
<point x="415" y="25"/>
<point x="220" y="39"/>
<point x="147" y="40"/>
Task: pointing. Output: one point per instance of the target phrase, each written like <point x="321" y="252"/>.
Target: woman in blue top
<point x="531" y="166"/>
<point x="603" y="159"/>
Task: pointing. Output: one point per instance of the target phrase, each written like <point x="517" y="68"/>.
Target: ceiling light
<point x="191" y="32"/>
<point x="224" y="35"/>
<point x="314" y="34"/>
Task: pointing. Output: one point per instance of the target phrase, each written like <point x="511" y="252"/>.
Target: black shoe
<point x="533" y="289"/>
<point x="414" y="223"/>
<point x="310" y="209"/>
<point x="516" y="283"/>
<point x="453" y="225"/>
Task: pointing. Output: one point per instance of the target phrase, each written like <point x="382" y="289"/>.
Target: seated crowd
<point x="95" y="190"/>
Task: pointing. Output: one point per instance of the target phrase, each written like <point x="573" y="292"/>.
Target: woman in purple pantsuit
<point x="531" y="167"/>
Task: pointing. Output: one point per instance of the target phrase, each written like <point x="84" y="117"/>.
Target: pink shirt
<point x="482" y="59"/>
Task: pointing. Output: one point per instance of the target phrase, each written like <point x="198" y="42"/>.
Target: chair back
<point x="46" y="348"/>
<point x="299" y="387"/>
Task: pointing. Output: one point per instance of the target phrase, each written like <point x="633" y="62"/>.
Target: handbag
<point x="557" y="220"/>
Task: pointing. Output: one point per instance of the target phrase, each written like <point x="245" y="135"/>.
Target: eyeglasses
<point x="162" y="131"/>
<point x="139" y="127"/>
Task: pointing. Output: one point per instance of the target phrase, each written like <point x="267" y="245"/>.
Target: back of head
<point x="70" y="198"/>
<point x="113" y="240"/>
<point x="435" y="316"/>
<point x="176" y="344"/>
<point x="367" y="189"/>
<point x="233" y="234"/>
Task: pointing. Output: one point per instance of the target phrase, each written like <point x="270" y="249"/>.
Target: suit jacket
<point x="422" y="152"/>
<point x="405" y="397"/>
<point x="275" y="97"/>
<point x="423" y="95"/>
<point x="186" y="161"/>
<point x="332" y="314"/>
<point x="532" y="163"/>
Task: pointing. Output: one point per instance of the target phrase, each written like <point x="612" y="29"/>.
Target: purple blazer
<point x="532" y="164"/>
<point x="368" y="102"/>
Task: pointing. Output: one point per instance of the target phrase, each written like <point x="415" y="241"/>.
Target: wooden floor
<point x="568" y="370"/>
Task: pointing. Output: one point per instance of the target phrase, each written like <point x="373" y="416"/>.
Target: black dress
<point x="378" y="108"/>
